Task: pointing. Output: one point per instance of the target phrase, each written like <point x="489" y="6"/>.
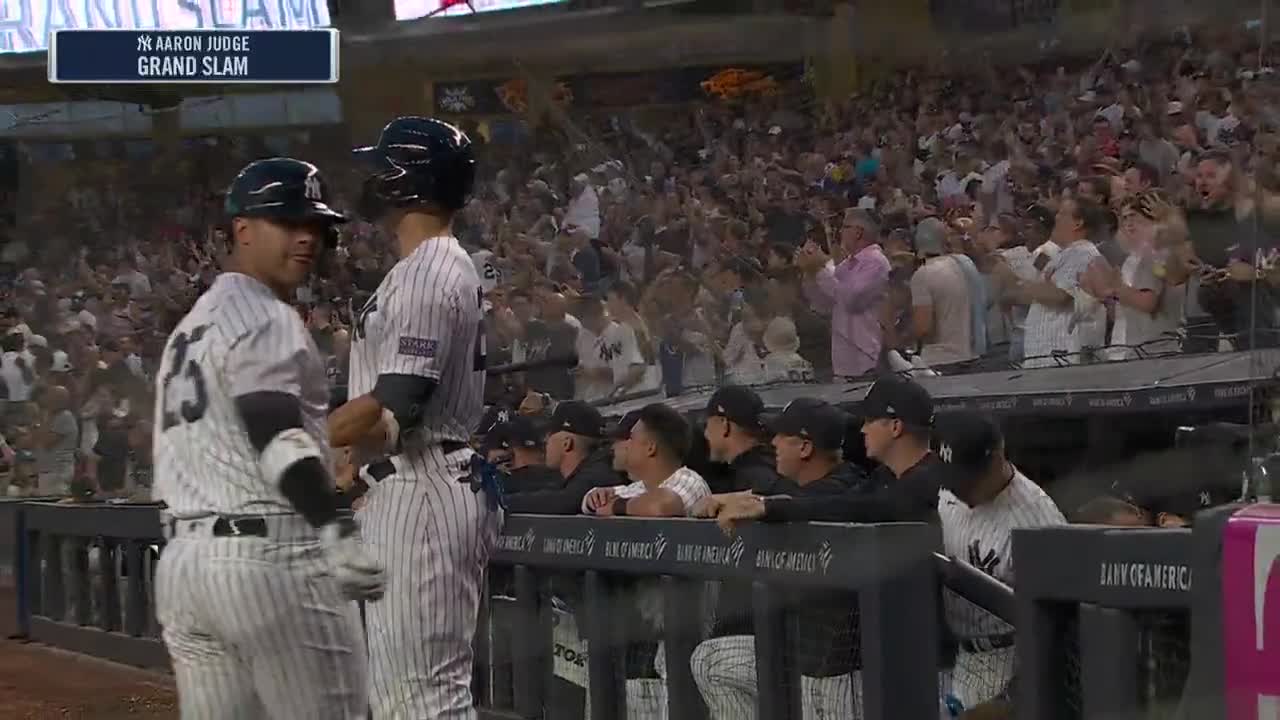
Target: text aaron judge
<point x="193" y="55"/>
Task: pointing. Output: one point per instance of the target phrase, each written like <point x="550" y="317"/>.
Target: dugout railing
<point x="1121" y="622"/>
<point x="891" y="567"/>
<point x="1117" y="623"/>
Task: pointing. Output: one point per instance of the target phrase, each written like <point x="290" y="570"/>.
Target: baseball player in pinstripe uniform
<point x="416" y="392"/>
<point x="254" y="587"/>
<point x="983" y="499"/>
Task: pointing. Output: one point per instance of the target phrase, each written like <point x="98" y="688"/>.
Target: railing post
<point x="681" y="628"/>
<point x="108" y="591"/>
<point x="1206" y="681"/>
<point x="773" y="699"/>
<point x="27" y="585"/>
<point x="526" y="662"/>
<point x="135" y="604"/>
<point x="900" y="632"/>
<point x="53" y="595"/>
<point x="1109" y="678"/>
<point x="80" y="580"/>
<point x="607" y="692"/>
<point x="1040" y="664"/>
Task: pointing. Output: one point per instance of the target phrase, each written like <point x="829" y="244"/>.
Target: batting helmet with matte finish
<point x="282" y="189"/>
<point x="417" y="161"/>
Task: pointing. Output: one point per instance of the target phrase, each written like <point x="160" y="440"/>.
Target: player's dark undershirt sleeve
<point x="405" y="396"/>
<point x="304" y="482"/>
<point x="909" y="499"/>
<point x="593" y="473"/>
<point x="264" y="369"/>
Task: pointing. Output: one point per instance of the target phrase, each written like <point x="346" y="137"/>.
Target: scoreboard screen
<point x="27" y="25"/>
<point x="415" y="9"/>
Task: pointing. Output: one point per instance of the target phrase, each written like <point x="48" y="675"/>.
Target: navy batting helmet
<point x="417" y="161"/>
<point x="281" y="189"/>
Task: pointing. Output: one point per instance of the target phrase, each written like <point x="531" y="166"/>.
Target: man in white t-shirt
<point x="609" y="359"/>
<point x="16" y="372"/>
<point x="984" y="498"/>
<point x="661" y="486"/>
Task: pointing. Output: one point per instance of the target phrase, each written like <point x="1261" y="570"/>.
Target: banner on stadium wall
<point x="604" y="90"/>
<point x="25" y="24"/>
<point x="990" y="16"/>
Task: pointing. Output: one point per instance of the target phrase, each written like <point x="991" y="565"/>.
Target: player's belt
<point x="383" y="469"/>
<point x="988" y="643"/>
<point x="276" y="527"/>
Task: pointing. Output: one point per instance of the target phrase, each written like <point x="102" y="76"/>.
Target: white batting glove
<point x="359" y="576"/>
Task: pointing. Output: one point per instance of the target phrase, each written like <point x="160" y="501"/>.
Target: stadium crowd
<point x="1066" y="211"/>
<point x="1063" y="212"/>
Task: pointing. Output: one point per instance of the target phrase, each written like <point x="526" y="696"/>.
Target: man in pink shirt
<point x="850" y="292"/>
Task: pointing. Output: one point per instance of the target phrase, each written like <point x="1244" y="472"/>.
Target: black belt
<point x="384" y="468"/>
<point x="988" y="643"/>
<point x="232" y="527"/>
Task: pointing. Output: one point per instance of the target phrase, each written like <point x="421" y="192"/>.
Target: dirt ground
<point x="42" y="683"/>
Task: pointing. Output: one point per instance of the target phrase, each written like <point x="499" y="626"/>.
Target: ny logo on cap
<point x="311" y="188"/>
<point x="944" y="452"/>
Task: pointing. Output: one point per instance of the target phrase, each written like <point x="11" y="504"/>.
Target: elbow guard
<point x="288" y="456"/>
<point x="403" y="399"/>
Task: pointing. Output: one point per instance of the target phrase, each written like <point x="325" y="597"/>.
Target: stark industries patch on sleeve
<point x="418" y="347"/>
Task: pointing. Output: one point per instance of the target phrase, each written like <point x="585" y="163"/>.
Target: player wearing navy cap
<point x="416" y="393"/>
<point x="897" y="416"/>
<point x="253" y="589"/>
<point x="736" y="435"/>
<point x="523" y="439"/>
<point x="576" y="448"/>
<point x="808" y="437"/>
<point x="984" y="498"/>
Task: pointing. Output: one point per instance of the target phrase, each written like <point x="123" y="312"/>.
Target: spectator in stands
<point x="784" y="363"/>
<point x="944" y="307"/>
<point x="15" y="368"/>
<point x="320" y="323"/>
<point x="575" y="448"/>
<point x="850" y="292"/>
<point x="1067" y="315"/>
<point x="1146" y="293"/>
<point x="661" y="485"/>
<point x="55" y="436"/>
<point x="609" y="358"/>
<point x="984" y="498"/>
<point x="744" y="351"/>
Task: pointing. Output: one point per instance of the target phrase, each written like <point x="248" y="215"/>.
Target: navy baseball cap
<point x="522" y="432"/>
<point x="739" y="405"/>
<point x="621" y="430"/>
<point x="965" y="441"/>
<point x="494" y="416"/>
<point x="819" y="422"/>
<point x="578" y="418"/>
<point x="898" y="398"/>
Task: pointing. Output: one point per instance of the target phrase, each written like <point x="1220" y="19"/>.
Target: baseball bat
<point x="569" y="361"/>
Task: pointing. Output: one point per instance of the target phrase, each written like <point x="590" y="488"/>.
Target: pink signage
<point x="1251" y="613"/>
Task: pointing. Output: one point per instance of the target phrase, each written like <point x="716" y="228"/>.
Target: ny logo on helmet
<point x="312" y="188"/>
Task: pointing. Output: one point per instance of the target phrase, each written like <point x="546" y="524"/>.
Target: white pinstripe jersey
<point x="1050" y="329"/>
<point x="425" y="319"/>
<point x="238" y="338"/>
<point x="685" y="483"/>
<point x="983" y="537"/>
